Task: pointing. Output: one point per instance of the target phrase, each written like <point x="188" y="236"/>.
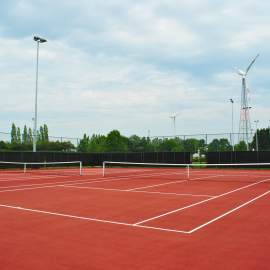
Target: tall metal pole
<point x="38" y="40"/>
<point x="232" y="124"/>
<point x="35" y="125"/>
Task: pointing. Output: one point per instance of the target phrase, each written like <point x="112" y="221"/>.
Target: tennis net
<point x="245" y="172"/>
<point x="53" y="168"/>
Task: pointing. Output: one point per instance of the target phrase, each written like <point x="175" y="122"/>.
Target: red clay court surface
<point x="91" y="222"/>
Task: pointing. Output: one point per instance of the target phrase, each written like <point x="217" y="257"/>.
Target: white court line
<point x="20" y="189"/>
<point x="141" y="191"/>
<point x="177" y="210"/>
<point x="171" y="183"/>
<point x="136" y="224"/>
<point x="70" y="186"/>
<point x="54" y="183"/>
<point x="28" y="178"/>
<point x="86" y="181"/>
<point x="85" y="218"/>
<point x="158" y="185"/>
<point x="227" y="213"/>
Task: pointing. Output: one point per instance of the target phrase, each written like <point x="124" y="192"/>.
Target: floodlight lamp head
<point x="36" y="38"/>
<point x="231" y="100"/>
<point x="42" y="40"/>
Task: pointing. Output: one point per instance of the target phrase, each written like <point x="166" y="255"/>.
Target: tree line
<point x="24" y="141"/>
<point x="115" y="142"/>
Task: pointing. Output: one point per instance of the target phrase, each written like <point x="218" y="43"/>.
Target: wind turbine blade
<point x="251" y="63"/>
<point x="237" y="68"/>
<point x="177" y="114"/>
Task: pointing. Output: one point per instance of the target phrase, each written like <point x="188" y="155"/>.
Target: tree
<point x="114" y="142"/>
<point x="202" y="143"/>
<point x="263" y="139"/>
<point x="25" y="135"/>
<point x="82" y="146"/>
<point x="167" y="145"/>
<point x="178" y="141"/>
<point x="46" y="132"/>
<point x="224" y="145"/>
<point x="213" y="146"/>
<point x="219" y="145"/>
<point x="30" y="136"/>
<point x="67" y="146"/>
<point x="156" y="142"/>
<point x="134" y="143"/>
<point x="241" y="146"/>
<point x="41" y="133"/>
<point x="3" y="145"/>
<point x="97" y="144"/>
<point x="38" y="136"/>
<point x="178" y="149"/>
<point x="86" y="138"/>
<point x="149" y="148"/>
<point x="18" y="135"/>
<point x="13" y="133"/>
<point x="191" y="145"/>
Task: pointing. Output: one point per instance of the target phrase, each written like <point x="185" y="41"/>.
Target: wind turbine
<point x="244" y="124"/>
<point x="173" y="127"/>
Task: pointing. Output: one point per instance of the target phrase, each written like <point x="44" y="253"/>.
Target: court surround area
<point x="135" y="217"/>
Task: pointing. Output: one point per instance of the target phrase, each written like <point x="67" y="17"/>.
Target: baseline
<point x="85" y="218"/>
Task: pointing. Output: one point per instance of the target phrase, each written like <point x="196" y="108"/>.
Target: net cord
<point x="64" y="162"/>
<point x="188" y="166"/>
<point x="24" y="164"/>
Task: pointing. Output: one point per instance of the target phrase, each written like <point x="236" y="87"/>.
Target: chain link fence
<point x="197" y="144"/>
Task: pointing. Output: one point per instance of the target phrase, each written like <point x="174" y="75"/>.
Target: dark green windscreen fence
<point x="97" y="159"/>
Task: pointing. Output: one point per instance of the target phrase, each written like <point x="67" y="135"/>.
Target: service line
<point x="177" y="210"/>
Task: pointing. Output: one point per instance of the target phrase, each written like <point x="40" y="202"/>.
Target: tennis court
<point x="135" y="218"/>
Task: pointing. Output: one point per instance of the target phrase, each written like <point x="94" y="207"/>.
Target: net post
<point x="104" y="169"/>
<point x="24" y="170"/>
<point x="80" y="168"/>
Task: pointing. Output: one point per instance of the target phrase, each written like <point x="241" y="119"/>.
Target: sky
<point x="130" y="65"/>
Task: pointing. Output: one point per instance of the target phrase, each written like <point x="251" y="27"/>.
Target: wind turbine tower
<point x="244" y="124"/>
<point x="173" y="123"/>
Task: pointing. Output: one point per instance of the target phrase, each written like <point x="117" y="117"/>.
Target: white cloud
<point x="125" y="64"/>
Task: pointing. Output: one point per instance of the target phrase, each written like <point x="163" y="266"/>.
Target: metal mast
<point x="244" y="124"/>
<point x="173" y="124"/>
<point x="38" y="40"/>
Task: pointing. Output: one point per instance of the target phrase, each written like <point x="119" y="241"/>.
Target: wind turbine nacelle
<point x="242" y="73"/>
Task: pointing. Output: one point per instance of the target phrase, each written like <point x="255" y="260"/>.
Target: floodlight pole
<point x="232" y="124"/>
<point x="38" y="40"/>
<point x="256" y="135"/>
